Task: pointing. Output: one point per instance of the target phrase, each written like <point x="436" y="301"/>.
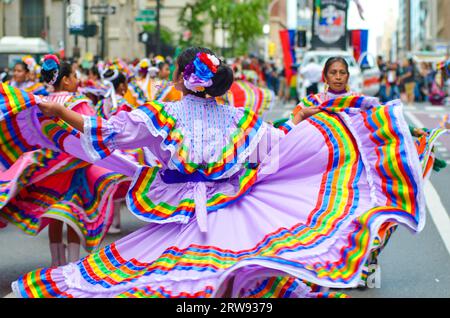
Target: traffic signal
<point x="88" y="30"/>
<point x="146" y="37"/>
<point x="301" y="38"/>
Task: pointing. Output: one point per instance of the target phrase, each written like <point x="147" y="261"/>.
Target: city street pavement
<point x="412" y="265"/>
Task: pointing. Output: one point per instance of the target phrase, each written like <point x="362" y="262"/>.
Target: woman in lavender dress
<point x="238" y="208"/>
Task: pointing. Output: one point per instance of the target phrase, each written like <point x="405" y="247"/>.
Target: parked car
<point x="370" y="73"/>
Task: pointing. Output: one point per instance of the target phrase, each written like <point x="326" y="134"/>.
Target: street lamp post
<point x="64" y="28"/>
<point x="266" y="31"/>
<point x="103" y="42"/>
<point x="158" y="27"/>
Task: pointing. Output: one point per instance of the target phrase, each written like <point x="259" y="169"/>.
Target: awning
<point x="18" y="44"/>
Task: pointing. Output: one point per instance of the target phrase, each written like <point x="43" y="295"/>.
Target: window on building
<point x="32" y="18"/>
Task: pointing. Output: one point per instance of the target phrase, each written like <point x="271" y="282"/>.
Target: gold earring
<point x="326" y="88"/>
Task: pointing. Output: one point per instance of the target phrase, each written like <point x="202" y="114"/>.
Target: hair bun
<point x="50" y="62"/>
<point x="222" y="81"/>
<point x="108" y="73"/>
<point x="50" y="69"/>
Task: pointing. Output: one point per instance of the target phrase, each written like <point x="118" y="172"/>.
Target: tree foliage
<point x="242" y="19"/>
<point x="165" y="34"/>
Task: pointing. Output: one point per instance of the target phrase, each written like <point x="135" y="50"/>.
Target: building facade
<point x="48" y="19"/>
<point x="442" y="27"/>
<point x="388" y="42"/>
<point x="419" y="12"/>
<point x="404" y="28"/>
<point x="423" y="25"/>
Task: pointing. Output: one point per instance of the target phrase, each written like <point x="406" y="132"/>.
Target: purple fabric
<point x="174" y="176"/>
<point x="284" y="196"/>
<point x="31" y="130"/>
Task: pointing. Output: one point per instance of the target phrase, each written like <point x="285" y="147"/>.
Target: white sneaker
<point x="114" y="230"/>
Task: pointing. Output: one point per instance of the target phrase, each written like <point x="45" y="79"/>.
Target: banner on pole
<point x="329" y="25"/>
<point x="287" y="39"/>
<point x="360" y="43"/>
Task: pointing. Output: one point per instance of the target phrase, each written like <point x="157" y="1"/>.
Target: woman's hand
<point x="305" y="113"/>
<point x="419" y="132"/>
<point x="51" y="108"/>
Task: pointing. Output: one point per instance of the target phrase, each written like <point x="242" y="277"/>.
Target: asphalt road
<point x="412" y="265"/>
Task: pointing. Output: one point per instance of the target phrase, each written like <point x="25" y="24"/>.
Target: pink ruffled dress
<point x="47" y="184"/>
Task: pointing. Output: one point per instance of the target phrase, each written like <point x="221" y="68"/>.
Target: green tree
<point x="165" y="33"/>
<point x="243" y="20"/>
<point x="246" y="23"/>
<point x="191" y="20"/>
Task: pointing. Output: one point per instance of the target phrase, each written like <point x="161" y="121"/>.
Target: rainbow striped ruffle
<point x="288" y="287"/>
<point x="135" y="95"/>
<point x="284" y="124"/>
<point x="371" y="180"/>
<point x="160" y="123"/>
<point x="142" y="203"/>
<point x="344" y="103"/>
<point x="245" y="94"/>
<point x="37" y="89"/>
<point x="424" y="145"/>
<point x="13" y="101"/>
<point x="76" y="193"/>
<point x="12" y="143"/>
<point x="103" y="105"/>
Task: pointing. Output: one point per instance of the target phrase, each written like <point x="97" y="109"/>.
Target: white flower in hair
<point x="213" y="59"/>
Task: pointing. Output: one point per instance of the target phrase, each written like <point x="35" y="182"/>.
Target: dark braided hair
<point x="51" y="66"/>
<point x="222" y="80"/>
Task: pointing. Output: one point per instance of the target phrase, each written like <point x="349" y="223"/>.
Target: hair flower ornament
<point x="199" y="73"/>
<point x="51" y="63"/>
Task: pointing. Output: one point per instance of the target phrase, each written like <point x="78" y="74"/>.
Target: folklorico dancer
<point x="166" y="91"/>
<point x="146" y="74"/>
<point x="113" y="101"/>
<point x="336" y="78"/>
<point x="239" y="208"/>
<point x="93" y="87"/>
<point x="24" y="77"/>
<point x="47" y="187"/>
<point x="111" y="105"/>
